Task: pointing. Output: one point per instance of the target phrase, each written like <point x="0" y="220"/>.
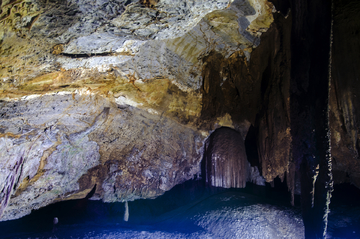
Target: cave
<point x="186" y="119"/>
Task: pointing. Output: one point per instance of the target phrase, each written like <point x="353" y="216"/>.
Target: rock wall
<point x="59" y="146"/>
<point x="270" y="66"/>
<point x="255" y="92"/>
<point x="345" y="103"/>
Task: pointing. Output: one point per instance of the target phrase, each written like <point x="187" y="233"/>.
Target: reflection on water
<point x="187" y="211"/>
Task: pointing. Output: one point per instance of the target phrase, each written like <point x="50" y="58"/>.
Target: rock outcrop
<point x="53" y="151"/>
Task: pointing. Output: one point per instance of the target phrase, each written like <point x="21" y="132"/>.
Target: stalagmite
<point x="126" y="214"/>
<point x="225" y="163"/>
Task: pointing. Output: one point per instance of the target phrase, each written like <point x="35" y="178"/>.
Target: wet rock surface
<point x="119" y="96"/>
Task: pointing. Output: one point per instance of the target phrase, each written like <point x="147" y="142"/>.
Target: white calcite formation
<point x="109" y="94"/>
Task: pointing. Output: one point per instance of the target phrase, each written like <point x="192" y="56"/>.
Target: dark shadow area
<point x="344" y="216"/>
<point x="345" y="193"/>
<point x="278" y="191"/>
<point x="251" y="146"/>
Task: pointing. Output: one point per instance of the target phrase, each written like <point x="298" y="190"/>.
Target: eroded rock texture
<point x="59" y="150"/>
<point x="255" y="92"/>
<point x="270" y="67"/>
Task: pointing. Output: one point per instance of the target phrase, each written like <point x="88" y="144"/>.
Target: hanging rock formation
<point x="225" y="163"/>
<point x="344" y="98"/>
<point x="309" y="110"/>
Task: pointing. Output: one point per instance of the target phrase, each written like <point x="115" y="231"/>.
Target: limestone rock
<point x="58" y="146"/>
<point x="255" y="176"/>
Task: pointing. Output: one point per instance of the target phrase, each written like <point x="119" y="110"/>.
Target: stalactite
<point x="225" y="159"/>
<point x="126" y="213"/>
<point x="290" y="175"/>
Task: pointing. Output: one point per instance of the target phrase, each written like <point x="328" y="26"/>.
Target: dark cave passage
<point x="344" y="216"/>
<point x="251" y="147"/>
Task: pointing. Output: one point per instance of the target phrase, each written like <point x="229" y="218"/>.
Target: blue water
<point x="187" y="211"/>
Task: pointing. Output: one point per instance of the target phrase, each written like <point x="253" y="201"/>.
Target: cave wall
<point x="269" y="71"/>
<point x="273" y="79"/>
<point x="270" y="66"/>
<point x="56" y="151"/>
<point x="255" y="92"/>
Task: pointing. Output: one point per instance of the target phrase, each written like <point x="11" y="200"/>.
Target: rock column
<point x="310" y="49"/>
